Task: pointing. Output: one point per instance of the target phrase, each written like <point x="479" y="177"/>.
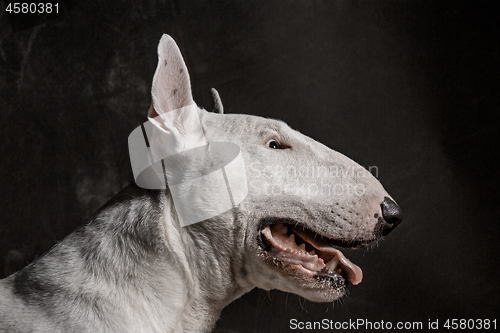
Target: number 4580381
<point x="32" y="8"/>
<point x="463" y="324"/>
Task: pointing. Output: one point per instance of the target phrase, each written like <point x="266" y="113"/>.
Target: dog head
<point x="302" y="202"/>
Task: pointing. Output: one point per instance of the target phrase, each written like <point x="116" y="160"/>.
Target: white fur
<point x="134" y="268"/>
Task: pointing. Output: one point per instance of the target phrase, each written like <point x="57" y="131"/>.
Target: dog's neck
<point x="203" y="268"/>
<point x="133" y="268"/>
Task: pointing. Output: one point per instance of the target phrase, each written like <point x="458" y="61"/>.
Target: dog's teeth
<point x="281" y="229"/>
<point x="312" y="252"/>
<point x="284" y="230"/>
<point x="332" y="264"/>
<point x="292" y="238"/>
<point x="303" y="247"/>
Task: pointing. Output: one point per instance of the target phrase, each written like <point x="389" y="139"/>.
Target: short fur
<point x="133" y="268"/>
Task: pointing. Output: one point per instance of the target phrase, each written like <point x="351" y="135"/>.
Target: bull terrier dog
<point x="257" y="205"/>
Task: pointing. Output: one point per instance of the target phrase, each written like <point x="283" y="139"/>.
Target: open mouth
<point x="311" y="253"/>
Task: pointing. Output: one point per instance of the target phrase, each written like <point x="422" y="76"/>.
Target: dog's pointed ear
<point x="173" y="111"/>
<point x="171" y="89"/>
<point x="218" y="107"/>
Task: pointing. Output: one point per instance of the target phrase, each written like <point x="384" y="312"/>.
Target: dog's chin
<point x="310" y="265"/>
<point x="323" y="286"/>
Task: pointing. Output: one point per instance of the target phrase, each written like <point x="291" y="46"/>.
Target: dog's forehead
<point x="272" y="127"/>
<point x="239" y="123"/>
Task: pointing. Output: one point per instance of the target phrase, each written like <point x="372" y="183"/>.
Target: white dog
<point x="145" y="262"/>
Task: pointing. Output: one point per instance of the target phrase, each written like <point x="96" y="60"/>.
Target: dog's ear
<point x="171" y="88"/>
<point x="218" y="107"/>
<point x="173" y="111"/>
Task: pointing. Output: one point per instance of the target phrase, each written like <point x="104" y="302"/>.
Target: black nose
<point x="393" y="215"/>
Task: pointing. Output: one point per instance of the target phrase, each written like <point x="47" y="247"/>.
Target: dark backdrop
<point x="408" y="86"/>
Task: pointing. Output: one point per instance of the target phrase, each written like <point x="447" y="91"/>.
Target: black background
<point x="411" y="87"/>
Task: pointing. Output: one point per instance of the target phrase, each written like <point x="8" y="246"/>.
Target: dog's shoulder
<point x="16" y="315"/>
<point x="113" y="244"/>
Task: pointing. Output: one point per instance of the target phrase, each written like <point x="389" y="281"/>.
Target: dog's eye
<point x="273" y="144"/>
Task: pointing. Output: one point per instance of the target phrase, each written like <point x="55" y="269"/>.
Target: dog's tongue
<point x="354" y="273"/>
